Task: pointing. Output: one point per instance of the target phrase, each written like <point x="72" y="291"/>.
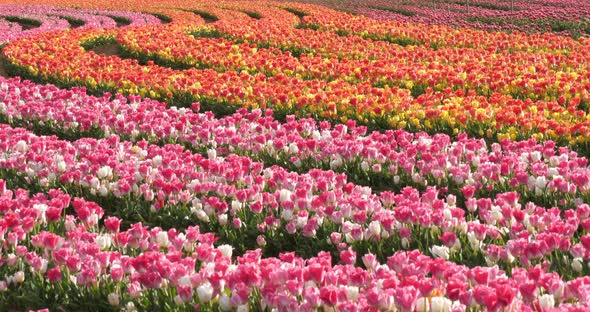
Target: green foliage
<point x="121" y="21"/>
<point x="24" y="21"/>
<point x="74" y="22"/>
<point x="206" y="33"/>
<point x="252" y="14"/>
<point x="208" y="17"/>
<point x="298" y="13"/>
<point x="163" y="18"/>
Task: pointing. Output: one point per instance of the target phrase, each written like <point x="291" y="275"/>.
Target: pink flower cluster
<point x="52" y="18"/>
<point x="15" y="31"/>
<point x="147" y="259"/>
<point x="237" y="191"/>
<point x="468" y="202"/>
<point x="534" y="170"/>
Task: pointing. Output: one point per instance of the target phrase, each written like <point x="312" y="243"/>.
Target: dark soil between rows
<point x="111" y="49"/>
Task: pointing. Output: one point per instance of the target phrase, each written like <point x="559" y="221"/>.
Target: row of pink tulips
<point x="266" y="202"/>
<point x="541" y="172"/>
<point x="54" y="18"/>
<point x="186" y="268"/>
<point x="93" y="18"/>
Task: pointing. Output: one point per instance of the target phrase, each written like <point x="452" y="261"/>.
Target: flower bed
<point x="40" y="19"/>
<point x="556" y="110"/>
<point x="281" y="156"/>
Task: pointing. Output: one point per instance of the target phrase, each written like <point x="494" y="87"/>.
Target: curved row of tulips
<point x="495" y="118"/>
<point x="164" y="185"/>
<point x="334" y="100"/>
<point x="533" y="75"/>
<point x="115" y="170"/>
<point x="249" y="206"/>
<point x="411" y="29"/>
<point x="60" y="246"/>
<point x="12" y="30"/>
<point x="390" y="160"/>
<point x="532" y="17"/>
<point x="355" y="30"/>
<point x="541" y="85"/>
<point x="539" y="75"/>
<point x="51" y="18"/>
<point x="436" y="35"/>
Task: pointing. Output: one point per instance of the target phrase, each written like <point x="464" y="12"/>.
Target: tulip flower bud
<point x="61" y="166"/>
<point x="19" y="277"/>
<point x="226" y="250"/>
<point x="577" y="265"/>
<point x="364" y="166"/>
<point x="336" y="238"/>
<point x="222" y="219"/>
<point x="205" y="292"/>
<point x="284" y="195"/>
<point x="440" y="304"/>
<point x="113" y="299"/>
<point x="104" y="171"/>
<point x="260" y="241"/>
<point x="422" y="305"/>
<point x="103" y="241"/>
<point x="22" y="146"/>
<point x="352" y="292"/>
<point x="236" y="206"/>
<point x="237" y="223"/>
<point x="546" y="301"/>
<point x="201" y="215"/>
<point x="212" y="153"/>
<point x="225" y="303"/>
<point x="440" y="252"/>
<point x="293" y="149"/>
<point x="287" y="214"/>
<point x="405" y="243"/>
<point x="162" y="239"/>
<point x="374" y="228"/>
<point x="157" y="161"/>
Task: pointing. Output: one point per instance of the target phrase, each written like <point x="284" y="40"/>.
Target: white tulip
<point x="440" y="304"/>
<point x="284" y="195"/>
<point x="19" y="277"/>
<point x="205" y="292"/>
<point x="157" y="161"/>
<point x="440" y="251"/>
<point x="113" y="299"/>
<point x="352" y="292"/>
<point x="226" y="250"/>
<point x="22" y="146"/>
<point x="422" y="305"/>
<point x="293" y="148"/>
<point x="103" y="241"/>
<point x="104" y="171"/>
<point x="162" y="239"/>
<point x="546" y="301"/>
<point x="577" y="265"/>
<point x="225" y="303"/>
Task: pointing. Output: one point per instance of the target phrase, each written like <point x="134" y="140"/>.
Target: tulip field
<point x="564" y="17"/>
<point x="175" y="155"/>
